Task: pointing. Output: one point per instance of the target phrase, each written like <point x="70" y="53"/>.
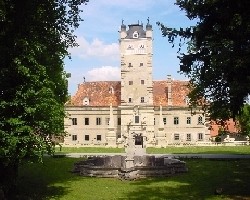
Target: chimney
<point x="169" y="84"/>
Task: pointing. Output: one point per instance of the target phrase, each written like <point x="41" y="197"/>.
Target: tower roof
<point x="136" y="28"/>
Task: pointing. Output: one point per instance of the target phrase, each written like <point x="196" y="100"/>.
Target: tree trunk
<point x="8" y="174"/>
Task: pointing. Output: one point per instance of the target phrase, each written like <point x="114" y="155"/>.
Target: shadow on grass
<point x="38" y="181"/>
<point x="53" y="180"/>
<point x="201" y="182"/>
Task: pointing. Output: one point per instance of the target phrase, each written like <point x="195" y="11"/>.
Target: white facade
<point x="106" y="113"/>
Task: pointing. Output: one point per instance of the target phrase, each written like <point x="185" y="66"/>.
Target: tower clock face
<point x="135" y="34"/>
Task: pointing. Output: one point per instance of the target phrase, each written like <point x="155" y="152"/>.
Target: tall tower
<point x="137" y="113"/>
<point x="136" y="65"/>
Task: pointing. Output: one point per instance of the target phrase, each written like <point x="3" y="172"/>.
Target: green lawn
<point x="53" y="180"/>
<point x="202" y="149"/>
<point x="166" y="150"/>
<point x="89" y="150"/>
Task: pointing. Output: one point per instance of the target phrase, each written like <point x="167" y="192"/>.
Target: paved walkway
<point x="197" y="156"/>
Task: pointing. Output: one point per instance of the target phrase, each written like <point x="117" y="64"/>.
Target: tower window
<point x="141" y="64"/>
<point x="130" y="82"/>
<point x="142" y="82"/>
<point x="130" y="65"/>
<point x="142" y="99"/>
<point x="130" y="100"/>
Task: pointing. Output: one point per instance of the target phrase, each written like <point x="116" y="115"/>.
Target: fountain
<point x="135" y="164"/>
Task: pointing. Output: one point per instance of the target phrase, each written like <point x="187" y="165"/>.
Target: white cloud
<point x="104" y="73"/>
<point x="95" y="48"/>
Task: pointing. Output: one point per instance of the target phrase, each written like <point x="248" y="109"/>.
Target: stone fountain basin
<point x="143" y="166"/>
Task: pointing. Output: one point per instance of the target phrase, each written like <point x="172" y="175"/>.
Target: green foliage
<point x="34" y="38"/>
<point x="244" y="120"/>
<point x="218" y="55"/>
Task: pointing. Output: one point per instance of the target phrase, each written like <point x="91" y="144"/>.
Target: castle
<point x="155" y="113"/>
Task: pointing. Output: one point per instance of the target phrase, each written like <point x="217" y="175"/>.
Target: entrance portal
<point x="138" y="140"/>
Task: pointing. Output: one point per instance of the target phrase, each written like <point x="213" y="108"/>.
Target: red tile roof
<point x="99" y="93"/>
<point x="229" y="126"/>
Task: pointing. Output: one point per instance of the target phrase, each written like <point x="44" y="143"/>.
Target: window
<point x="130" y="100"/>
<point x="141" y="46"/>
<point x="188" y="120"/>
<point x="176" y="120"/>
<point x="98" y="137"/>
<point x="107" y="121"/>
<point x="130" y="82"/>
<point x="86" y="121"/>
<point x="86" y="137"/>
<point x="118" y="121"/>
<point x="137" y="119"/>
<point x="98" y="121"/>
<point x="188" y="137"/>
<point x="141" y="64"/>
<point x="142" y="82"/>
<point x="74" y="137"/>
<point x="187" y="100"/>
<point x="176" y="136"/>
<point x="154" y="121"/>
<point x="200" y="136"/>
<point x="74" y="121"/>
<point x="200" y="120"/>
<point x="111" y="90"/>
<point x="130" y="65"/>
<point x="164" y="120"/>
<point x="142" y="99"/>
<point x="86" y="101"/>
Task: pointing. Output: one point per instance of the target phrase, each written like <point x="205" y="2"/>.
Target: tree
<point x="218" y="57"/>
<point x="244" y="120"/>
<point x="34" y="38"/>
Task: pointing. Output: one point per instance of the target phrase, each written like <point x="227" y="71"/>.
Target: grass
<point x="89" y="150"/>
<point x="202" y="150"/>
<point x="166" y="150"/>
<point x="53" y="180"/>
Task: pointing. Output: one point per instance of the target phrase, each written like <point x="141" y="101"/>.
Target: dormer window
<point x="187" y="100"/>
<point x="111" y="90"/>
<point x="86" y="101"/>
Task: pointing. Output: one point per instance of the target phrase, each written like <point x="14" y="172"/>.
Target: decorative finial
<point x="122" y="22"/>
<point x="84" y="79"/>
<point x="148" y="20"/>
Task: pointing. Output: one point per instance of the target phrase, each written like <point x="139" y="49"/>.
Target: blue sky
<point x="97" y="58"/>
